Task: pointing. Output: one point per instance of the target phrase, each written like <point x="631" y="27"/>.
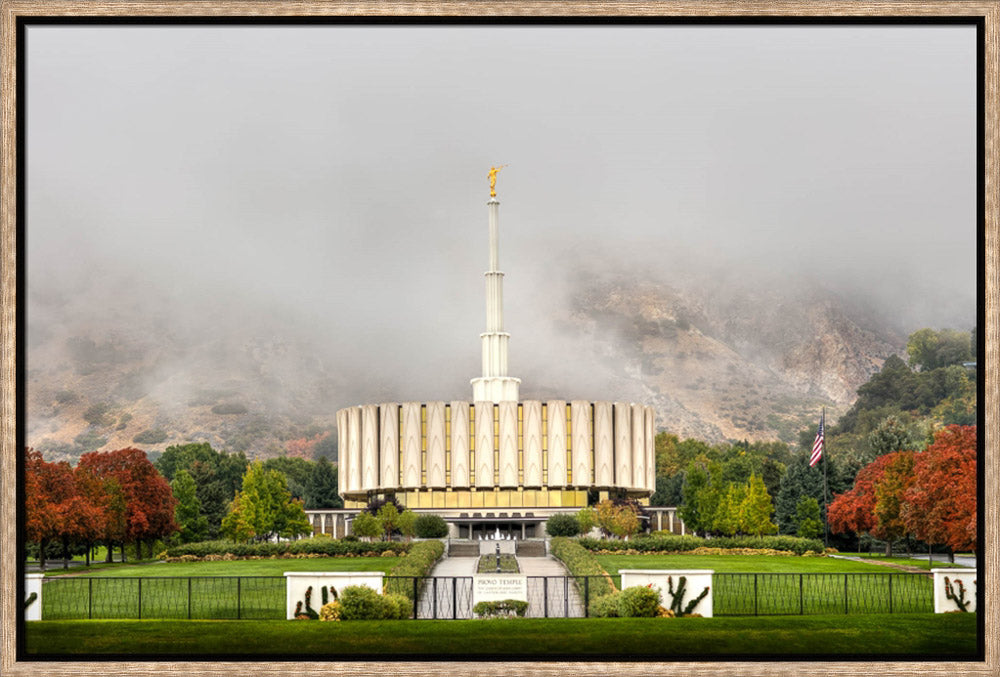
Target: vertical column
<point x="369" y="446"/>
<point x="650" y="422"/>
<point x="532" y="413"/>
<point x="435" y="445"/>
<point x="638" y="446"/>
<point x="460" y="444"/>
<point x="484" y="444"/>
<point x="604" y="473"/>
<point x="342" y="461"/>
<point x="354" y="449"/>
<point x="556" y="442"/>
<point x="582" y="442"/>
<point x="623" y="445"/>
<point x="410" y="435"/>
<point x="389" y="461"/>
<point x="32" y="585"/>
<point x="508" y="444"/>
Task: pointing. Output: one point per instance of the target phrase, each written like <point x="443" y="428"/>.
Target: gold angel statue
<point x="493" y="179"/>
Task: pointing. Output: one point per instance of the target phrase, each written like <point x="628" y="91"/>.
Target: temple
<point x="495" y="464"/>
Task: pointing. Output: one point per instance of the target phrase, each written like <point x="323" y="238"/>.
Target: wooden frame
<point x="11" y="10"/>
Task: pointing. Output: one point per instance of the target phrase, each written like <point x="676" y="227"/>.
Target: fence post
<point x="140" y="598"/>
<point x="890" y="593"/>
<point x="454" y="597"/>
<point x="755" y="594"/>
<point x="189" y="598"/>
<point x="545" y="595"/>
<point x="239" y="599"/>
<point x="90" y="598"/>
<point x="434" y="603"/>
<point x="416" y="601"/>
<point x="586" y="596"/>
<point x="801" y="606"/>
<point x="845" y="593"/>
<point x="566" y="596"/>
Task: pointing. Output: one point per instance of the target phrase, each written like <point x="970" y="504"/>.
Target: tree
<point x="388" y="518"/>
<point x="728" y="516"/>
<point x="892" y="435"/>
<point x="149" y="502"/>
<point x="321" y="487"/>
<point x="264" y="508"/>
<point x="48" y="488"/>
<point x="807" y="517"/>
<point x="587" y="519"/>
<point x="799" y="480"/>
<point x="562" y="524"/>
<point x="873" y="504"/>
<point x="929" y="349"/>
<point x="618" y="519"/>
<point x="940" y="503"/>
<point x="756" y="509"/>
<point x="406" y="523"/>
<point x="217" y="475"/>
<point x="695" y="482"/>
<point x="193" y="525"/>
<point x="366" y="525"/>
<point x="430" y="526"/>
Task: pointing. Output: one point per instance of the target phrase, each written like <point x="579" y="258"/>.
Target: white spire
<point x="495" y="385"/>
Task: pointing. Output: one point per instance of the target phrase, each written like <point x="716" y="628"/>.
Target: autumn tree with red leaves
<point x="142" y="496"/>
<point x="940" y="505"/>
<point x="873" y="504"/>
<point x="49" y="487"/>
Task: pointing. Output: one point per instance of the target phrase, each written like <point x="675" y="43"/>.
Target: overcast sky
<point x="337" y="175"/>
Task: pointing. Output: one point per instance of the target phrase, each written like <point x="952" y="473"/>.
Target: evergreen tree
<point x="809" y="525"/>
<point x="799" y="480"/>
<point x="321" y="487"/>
<point x="756" y="509"/>
<point x="194" y="525"/>
<point x="264" y="508"/>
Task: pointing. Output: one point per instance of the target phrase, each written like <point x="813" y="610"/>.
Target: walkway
<point x="549" y="591"/>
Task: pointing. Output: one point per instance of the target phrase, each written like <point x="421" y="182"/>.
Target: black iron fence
<point x="450" y="597"/>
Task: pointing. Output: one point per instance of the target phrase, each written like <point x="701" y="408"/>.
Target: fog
<point x="320" y="190"/>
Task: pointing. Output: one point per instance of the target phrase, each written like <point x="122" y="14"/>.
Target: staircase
<point x="531" y="548"/>
<point x="463" y="549"/>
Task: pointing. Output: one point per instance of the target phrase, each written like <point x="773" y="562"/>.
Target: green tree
<point x="587" y="519"/>
<point x="406" y="523"/>
<point x="729" y="518"/>
<point x="808" y="523"/>
<point x="388" y="517"/>
<point x="194" y="525"/>
<point x="217" y="475"/>
<point x="799" y="480"/>
<point x="366" y="525"/>
<point x="264" y="508"/>
<point x="893" y="435"/>
<point x="929" y="349"/>
<point x="756" y="509"/>
<point x="296" y="470"/>
<point x="691" y="511"/>
<point x="321" y="487"/>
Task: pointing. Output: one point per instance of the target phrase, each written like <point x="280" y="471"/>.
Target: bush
<point x="581" y="562"/>
<point x="324" y="546"/>
<point x="361" y="603"/>
<point x="98" y="414"/>
<point x="660" y="542"/>
<point x="507" y="608"/>
<point x="417" y="562"/>
<point x="401" y="605"/>
<point x="562" y="524"/>
<point x="330" y="612"/>
<point x="638" y="602"/>
<point x="430" y="526"/>
<point x="605" y="606"/>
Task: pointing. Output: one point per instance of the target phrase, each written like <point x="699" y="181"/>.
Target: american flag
<point x="817" y="452"/>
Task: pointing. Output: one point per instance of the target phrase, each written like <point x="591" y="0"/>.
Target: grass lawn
<point x="245" y="567"/>
<point x="909" y="635"/>
<point x="906" y="561"/>
<point x="169" y="591"/>
<point x="769" y="585"/>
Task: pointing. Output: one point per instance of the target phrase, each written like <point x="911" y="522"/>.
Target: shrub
<point x="361" y="603"/>
<point x="417" y="562"/>
<point x="507" y="608"/>
<point x="581" y="562"/>
<point x="562" y="524"/>
<point x="98" y="414"/>
<point x="430" y="526"/>
<point x="319" y="546"/>
<point x="330" y="612"/>
<point x="605" y="606"/>
<point x="401" y="605"/>
<point x="638" y="602"/>
<point x="660" y="542"/>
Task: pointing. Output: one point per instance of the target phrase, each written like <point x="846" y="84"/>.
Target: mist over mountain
<point x="119" y="364"/>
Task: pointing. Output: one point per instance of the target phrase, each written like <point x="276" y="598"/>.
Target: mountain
<point x="719" y="358"/>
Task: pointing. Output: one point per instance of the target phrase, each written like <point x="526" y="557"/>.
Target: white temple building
<point x="495" y="464"/>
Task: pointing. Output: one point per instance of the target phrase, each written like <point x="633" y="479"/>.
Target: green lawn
<point x="236" y="589"/>
<point x="245" y="567"/>
<point x="910" y="635"/>
<point x="760" y="584"/>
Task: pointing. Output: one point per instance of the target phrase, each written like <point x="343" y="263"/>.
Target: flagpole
<point x="826" y="516"/>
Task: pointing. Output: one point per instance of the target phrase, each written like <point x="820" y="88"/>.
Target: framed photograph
<point x="531" y="337"/>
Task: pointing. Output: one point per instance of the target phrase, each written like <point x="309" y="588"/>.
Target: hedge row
<point x="581" y="562"/>
<point x="674" y="543"/>
<point x="418" y="562"/>
<point x="329" y="547"/>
